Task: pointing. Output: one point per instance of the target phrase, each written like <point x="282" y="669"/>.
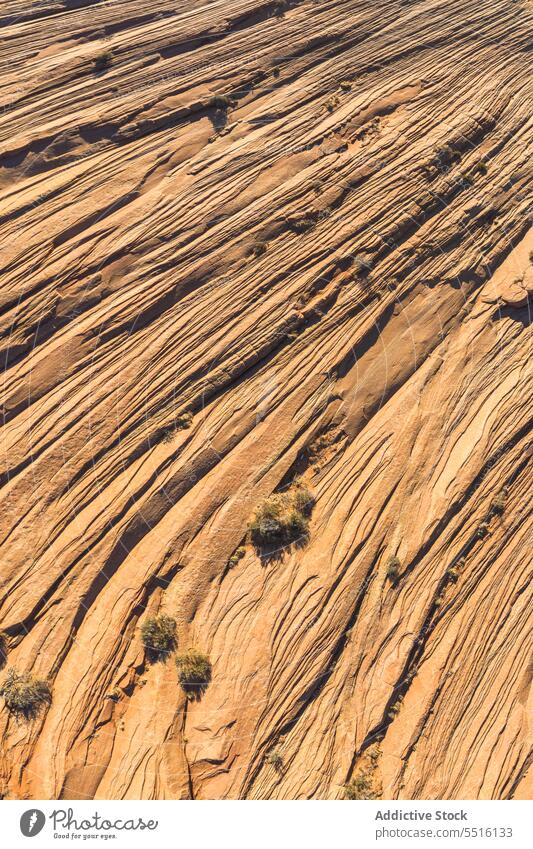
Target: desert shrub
<point x="267" y="530"/>
<point x="25" y="695"/>
<point x="282" y="518"/>
<point x="453" y="573"/>
<point x="482" y="530"/>
<point x="374" y="754"/>
<point x="304" y="222"/>
<point x="498" y="504"/>
<point x="279" y="8"/>
<point x="332" y="103"/>
<point x="184" y="421"/>
<point x="181" y="422"/>
<point x="276" y="72"/>
<point x="221" y="101"/>
<point x="103" y="60"/>
<point x="275" y="759"/>
<point x="465" y="178"/>
<point x="362" y="265"/>
<point x="259" y="248"/>
<point x="395" y="708"/>
<point x="266" y="526"/>
<point x="158" y="634"/>
<point x="295" y="525"/>
<point x="346" y="85"/>
<point x="360" y="787"/>
<point x="237" y="555"/>
<point x="303" y="501"/>
<point x="393" y="569"/>
<point x="194" y="671"/>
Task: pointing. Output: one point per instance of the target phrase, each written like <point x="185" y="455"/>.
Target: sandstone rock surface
<point x="305" y="224"/>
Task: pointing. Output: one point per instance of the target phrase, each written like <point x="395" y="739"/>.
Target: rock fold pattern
<point x="249" y="245"/>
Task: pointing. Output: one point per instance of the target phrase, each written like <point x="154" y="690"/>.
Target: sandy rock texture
<point x="303" y="223"/>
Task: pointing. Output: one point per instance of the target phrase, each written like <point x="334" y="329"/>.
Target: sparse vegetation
<point x="221" y="101"/>
<point x="360" y="787"/>
<point x="182" y="422"/>
<point x="276" y="72"/>
<point x="332" y="103"/>
<point x="497" y="507"/>
<point x="275" y="759"/>
<point x="395" y="709"/>
<point x="25" y="695"/>
<point x="345" y="85"/>
<point x="362" y="265"/>
<point x="194" y="672"/>
<point x="482" y="530"/>
<point x="466" y="178"/>
<point x="283" y="517"/>
<point x="393" y="569"/>
<point x="453" y="573"/>
<point x="374" y="755"/>
<point x="158" y="634"/>
<point x="303" y="501"/>
<point x="259" y="248"/>
<point x="103" y="61"/>
<point x="237" y="555"/>
<point x="305" y="222"/>
<point x="266" y="525"/>
<point x="296" y="525"/>
<point x="364" y="784"/>
<point x="481" y="167"/>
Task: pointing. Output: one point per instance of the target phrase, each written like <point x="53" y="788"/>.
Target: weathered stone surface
<point x="306" y="225"/>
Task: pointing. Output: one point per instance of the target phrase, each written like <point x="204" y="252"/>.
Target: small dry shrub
<point x="360" y="787"/>
<point x="158" y="634"/>
<point x="393" y="569"/>
<point x="498" y="504"/>
<point x="181" y="422"/>
<point x="237" y="555"/>
<point x="103" y="61"/>
<point x="303" y="501"/>
<point x="282" y="518"/>
<point x="25" y="695"/>
<point x="259" y="249"/>
<point x="275" y="759"/>
<point x="482" y="530"/>
<point x="194" y="671"/>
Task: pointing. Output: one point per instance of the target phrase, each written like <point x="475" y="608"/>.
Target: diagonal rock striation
<point x="248" y="246"/>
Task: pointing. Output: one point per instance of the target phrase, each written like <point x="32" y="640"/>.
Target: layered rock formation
<point x="303" y="226"/>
